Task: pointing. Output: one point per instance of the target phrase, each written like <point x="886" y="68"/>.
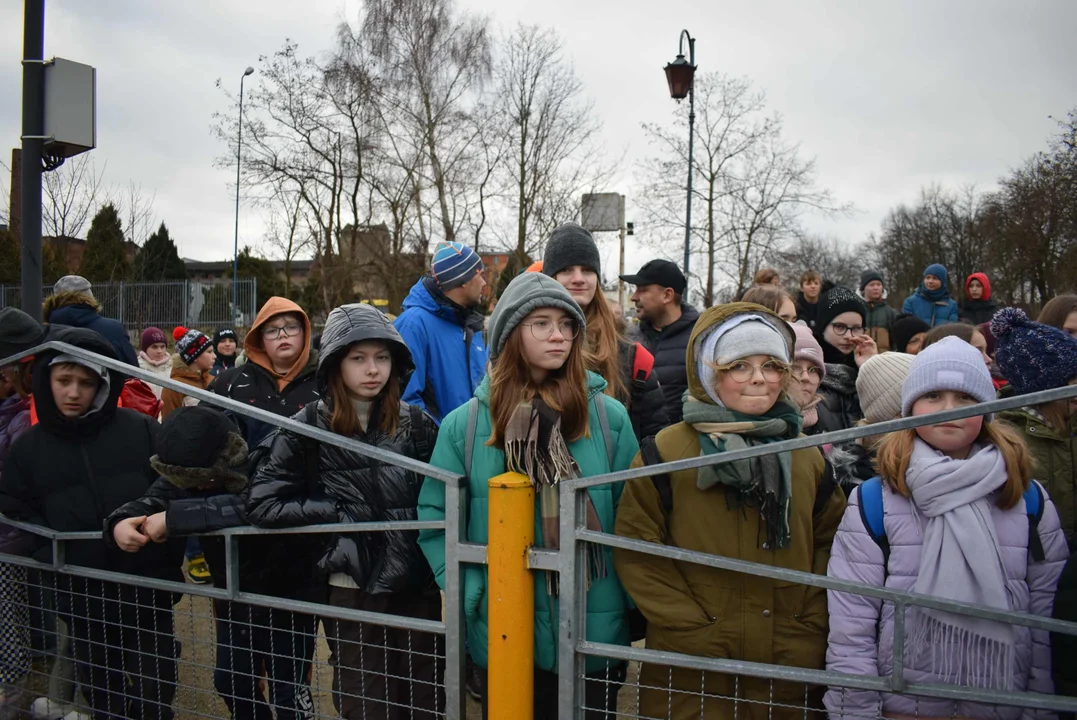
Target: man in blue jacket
<point x="72" y="303"/>
<point x="443" y="330"/>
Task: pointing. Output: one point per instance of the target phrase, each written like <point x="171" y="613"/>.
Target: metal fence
<point x="167" y="304"/>
<point x="167" y="661"/>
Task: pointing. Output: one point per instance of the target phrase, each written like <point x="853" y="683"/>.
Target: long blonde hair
<point x="895" y="450"/>
<point x="564" y="390"/>
<point x="602" y="346"/>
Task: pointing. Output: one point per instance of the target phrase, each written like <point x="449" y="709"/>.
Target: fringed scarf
<point x="763" y="482"/>
<point x="960" y="560"/>
<point x="535" y="447"/>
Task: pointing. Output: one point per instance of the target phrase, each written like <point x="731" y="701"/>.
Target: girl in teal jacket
<point x="536" y="348"/>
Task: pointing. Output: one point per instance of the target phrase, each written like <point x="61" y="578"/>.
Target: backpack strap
<point x="642" y="364"/>
<point x="1034" y="508"/>
<point x="604" y="423"/>
<point x="871" y="513"/>
<point x="469" y="433"/>
<point x="313" y="448"/>
<point x="420" y="438"/>
<point x="652" y="456"/>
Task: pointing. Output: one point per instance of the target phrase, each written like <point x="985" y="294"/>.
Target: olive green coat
<point x="707" y="612"/>
<point x="1054" y="460"/>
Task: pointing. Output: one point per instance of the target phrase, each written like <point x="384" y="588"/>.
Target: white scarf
<point x="960" y="561"/>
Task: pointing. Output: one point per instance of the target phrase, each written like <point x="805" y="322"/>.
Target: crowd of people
<point x="555" y="385"/>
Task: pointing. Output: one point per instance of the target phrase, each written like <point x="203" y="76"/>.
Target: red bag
<point x="138" y="395"/>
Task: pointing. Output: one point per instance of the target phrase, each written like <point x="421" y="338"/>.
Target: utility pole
<point x="33" y="140"/>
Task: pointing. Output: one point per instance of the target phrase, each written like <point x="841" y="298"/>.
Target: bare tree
<point x="71" y="195"/>
<point x="837" y="261"/>
<point x="434" y="61"/>
<point x="289" y="234"/>
<point x="749" y="185"/>
<point x="548" y="130"/>
<point x="136" y="209"/>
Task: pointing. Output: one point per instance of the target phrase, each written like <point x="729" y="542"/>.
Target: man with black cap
<point x="881" y="317"/>
<point x="665" y="323"/>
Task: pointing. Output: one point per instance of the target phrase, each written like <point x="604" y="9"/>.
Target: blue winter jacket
<point x="933" y="313"/>
<point x="84" y="316"/>
<point x="447" y="346"/>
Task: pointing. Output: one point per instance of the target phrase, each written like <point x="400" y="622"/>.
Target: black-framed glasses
<point x="742" y="371"/>
<point x="274" y="332"/>
<point x="543" y="329"/>
<point x="843" y="329"/>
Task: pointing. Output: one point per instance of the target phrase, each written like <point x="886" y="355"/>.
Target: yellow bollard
<point x="511" y="598"/>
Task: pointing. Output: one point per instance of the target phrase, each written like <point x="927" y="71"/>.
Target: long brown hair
<point x="344" y="421"/>
<point x="1056" y="311"/>
<point x="564" y="390"/>
<point x="601" y="352"/>
<point x="895" y="450"/>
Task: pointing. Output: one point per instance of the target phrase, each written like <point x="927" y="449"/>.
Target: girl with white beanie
<point x="950" y="517"/>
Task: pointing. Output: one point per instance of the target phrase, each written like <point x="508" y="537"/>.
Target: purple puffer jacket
<point x="14" y="419"/>
<point x="861" y="643"/>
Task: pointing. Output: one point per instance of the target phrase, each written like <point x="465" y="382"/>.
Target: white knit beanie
<point x="949" y="364"/>
<point x="878" y="385"/>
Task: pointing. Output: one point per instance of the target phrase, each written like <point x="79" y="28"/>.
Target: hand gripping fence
<point x="569" y="562"/>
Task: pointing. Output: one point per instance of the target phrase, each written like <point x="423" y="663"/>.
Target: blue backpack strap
<point x="1034" y="509"/>
<point x="871" y="513"/>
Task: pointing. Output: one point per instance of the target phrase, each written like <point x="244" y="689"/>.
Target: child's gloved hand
<point x="156" y="527"/>
<point x="128" y="534"/>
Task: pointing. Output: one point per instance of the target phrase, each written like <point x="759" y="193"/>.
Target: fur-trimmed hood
<point x="68" y="299"/>
<point x="226" y="470"/>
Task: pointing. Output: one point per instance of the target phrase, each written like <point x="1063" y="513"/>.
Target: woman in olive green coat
<point x="777" y="511"/>
<point x="1036" y="357"/>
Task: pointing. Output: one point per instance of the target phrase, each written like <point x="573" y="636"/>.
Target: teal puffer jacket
<point x="607" y="601"/>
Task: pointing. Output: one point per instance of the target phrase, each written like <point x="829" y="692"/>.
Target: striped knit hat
<point x="454" y="264"/>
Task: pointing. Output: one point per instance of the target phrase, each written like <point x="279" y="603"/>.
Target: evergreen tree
<point x="216" y="301"/>
<point x="105" y="257"/>
<point x="158" y="259"/>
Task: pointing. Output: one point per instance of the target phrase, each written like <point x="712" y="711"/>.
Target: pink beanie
<point x="808" y="348"/>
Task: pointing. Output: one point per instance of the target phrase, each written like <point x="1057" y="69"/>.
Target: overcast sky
<point x="887" y="97"/>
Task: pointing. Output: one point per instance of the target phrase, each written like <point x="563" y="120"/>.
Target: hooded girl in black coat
<point x="363" y="367"/>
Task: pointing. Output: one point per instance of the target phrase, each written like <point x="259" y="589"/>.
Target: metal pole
<point x="691" y="158"/>
<point x="620" y="272"/>
<point x="235" y="252"/>
<point x="33" y="128"/>
<point x="510" y="687"/>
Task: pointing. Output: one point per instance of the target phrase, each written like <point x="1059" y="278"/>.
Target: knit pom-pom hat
<point x="190" y="343"/>
<point x="1031" y="355"/>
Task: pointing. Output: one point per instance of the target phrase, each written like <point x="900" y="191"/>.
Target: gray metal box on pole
<point x="70" y="108"/>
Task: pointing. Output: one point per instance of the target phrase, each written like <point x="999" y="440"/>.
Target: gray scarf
<point x="960" y="561"/>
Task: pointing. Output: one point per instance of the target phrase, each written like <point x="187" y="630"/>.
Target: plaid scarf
<point x="763" y="482"/>
<point x="535" y="447"/>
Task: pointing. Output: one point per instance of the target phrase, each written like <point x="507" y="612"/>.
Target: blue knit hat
<point x="938" y="271"/>
<point x="1032" y="356"/>
<point x="454" y="264"/>
<point x="949" y="364"/>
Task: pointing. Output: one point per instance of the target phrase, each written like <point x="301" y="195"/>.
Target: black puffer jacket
<point x="70" y="474"/>
<point x="977" y="312"/>
<point x="303" y="483"/>
<point x="646" y="402"/>
<point x="252" y="384"/>
<point x="668" y="346"/>
<point x="840" y="408"/>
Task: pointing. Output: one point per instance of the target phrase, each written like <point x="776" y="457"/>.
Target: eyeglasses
<point x="273" y="332"/>
<point x="811" y="371"/>
<point x="543" y="329"/>
<point x="744" y="371"/>
<point x="843" y="329"/>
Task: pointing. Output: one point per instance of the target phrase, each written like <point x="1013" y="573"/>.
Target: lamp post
<point x="680" y="75"/>
<point x="239" y="155"/>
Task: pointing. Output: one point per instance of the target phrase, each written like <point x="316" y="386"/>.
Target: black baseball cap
<point x="659" y="272"/>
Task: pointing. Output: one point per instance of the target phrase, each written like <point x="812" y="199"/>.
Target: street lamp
<point x="239" y="154"/>
<point x="680" y="74"/>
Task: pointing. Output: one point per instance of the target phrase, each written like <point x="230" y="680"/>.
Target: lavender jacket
<point x="14" y="419"/>
<point x="862" y="629"/>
